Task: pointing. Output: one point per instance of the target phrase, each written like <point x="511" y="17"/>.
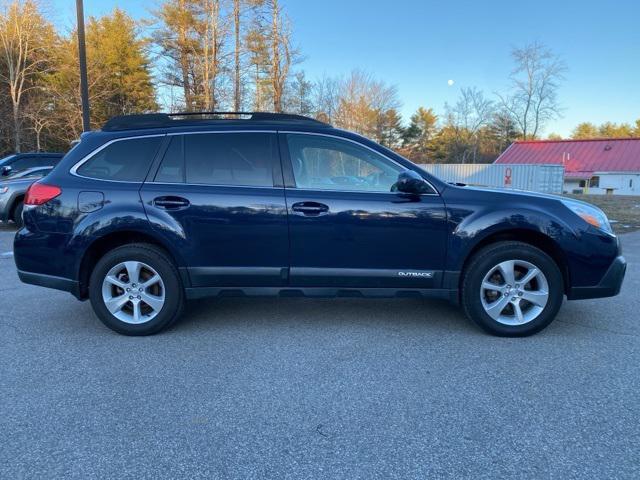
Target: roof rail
<point x="162" y="120"/>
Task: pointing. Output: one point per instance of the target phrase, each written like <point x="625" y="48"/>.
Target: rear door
<point x="219" y="197"/>
<point x="347" y="228"/>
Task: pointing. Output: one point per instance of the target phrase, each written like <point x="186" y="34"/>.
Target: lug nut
<point x="139" y="297"/>
<point x="130" y="297"/>
<point x="128" y="289"/>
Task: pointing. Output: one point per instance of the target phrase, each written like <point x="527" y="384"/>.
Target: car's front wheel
<point x="136" y="290"/>
<point x="17" y="214"/>
<point x="512" y="289"/>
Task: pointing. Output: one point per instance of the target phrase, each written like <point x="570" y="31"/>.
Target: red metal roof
<point x="580" y="157"/>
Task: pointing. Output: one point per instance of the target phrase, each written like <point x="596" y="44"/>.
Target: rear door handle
<point x="310" y="208"/>
<point x="171" y="203"/>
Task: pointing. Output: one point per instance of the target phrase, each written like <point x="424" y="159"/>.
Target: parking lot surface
<point x="298" y="388"/>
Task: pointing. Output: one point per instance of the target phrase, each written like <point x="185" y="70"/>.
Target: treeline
<point x="40" y="81"/>
<point x="240" y="55"/>
<point x="606" y="130"/>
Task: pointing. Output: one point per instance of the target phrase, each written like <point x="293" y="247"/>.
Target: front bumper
<point x="609" y="286"/>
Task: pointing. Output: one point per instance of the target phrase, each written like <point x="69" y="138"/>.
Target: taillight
<point x="40" y="193"/>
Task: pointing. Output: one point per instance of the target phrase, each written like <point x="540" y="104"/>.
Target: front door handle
<point x="310" y="208"/>
<point x="171" y="203"/>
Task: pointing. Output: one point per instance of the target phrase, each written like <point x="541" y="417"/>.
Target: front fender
<point x="472" y="229"/>
<point x="9" y="204"/>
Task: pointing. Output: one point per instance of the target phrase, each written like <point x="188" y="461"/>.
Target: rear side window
<point x="38" y="173"/>
<point x="23" y="163"/>
<point x="172" y="167"/>
<point x="46" y="161"/>
<point x="33" y="162"/>
<point x="242" y="159"/>
<point x="123" y="160"/>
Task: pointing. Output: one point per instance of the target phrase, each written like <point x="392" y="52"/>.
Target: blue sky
<point x="420" y="45"/>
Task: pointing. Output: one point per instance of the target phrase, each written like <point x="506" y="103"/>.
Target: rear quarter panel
<point x="58" y="234"/>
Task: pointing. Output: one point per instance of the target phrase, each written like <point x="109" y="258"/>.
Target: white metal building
<point x="535" y="178"/>
<point x="602" y="166"/>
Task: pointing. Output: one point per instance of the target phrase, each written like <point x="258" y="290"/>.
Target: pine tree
<point x="418" y="136"/>
<point x="389" y="129"/>
<point x="122" y="66"/>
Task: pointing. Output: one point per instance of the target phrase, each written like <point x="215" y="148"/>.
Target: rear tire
<point x="136" y="290"/>
<point x="17" y="214"/>
<point x="512" y="289"/>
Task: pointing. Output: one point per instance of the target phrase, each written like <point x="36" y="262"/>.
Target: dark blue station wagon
<point x="157" y="209"/>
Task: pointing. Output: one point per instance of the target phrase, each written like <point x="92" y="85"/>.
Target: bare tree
<point x="326" y="97"/>
<point x="213" y="37"/>
<point x="281" y="55"/>
<point x="533" y="100"/>
<point x="237" y="101"/>
<point x="259" y="62"/>
<point x="40" y="113"/>
<point x="466" y="118"/>
<point x="21" y="40"/>
<point x="175" y="37"/>
<point x="362" y="101"/>
<point x="299" y="98"/>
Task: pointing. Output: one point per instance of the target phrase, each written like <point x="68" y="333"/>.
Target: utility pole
<point x="82" y="53"/>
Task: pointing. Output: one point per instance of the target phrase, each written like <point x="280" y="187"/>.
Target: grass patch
<point x="623" y="211"/>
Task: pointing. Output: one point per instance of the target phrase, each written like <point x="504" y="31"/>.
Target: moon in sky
<point x="450" y="83"/>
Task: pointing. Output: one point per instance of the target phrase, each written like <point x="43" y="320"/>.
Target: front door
<point x="348" y="229"/>
<point x="219" y="197"/>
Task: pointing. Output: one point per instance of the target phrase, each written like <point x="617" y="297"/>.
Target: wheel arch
<point x="14" y="204"/>
<point x="531" y="237"/>
<point x="103" y="244"/>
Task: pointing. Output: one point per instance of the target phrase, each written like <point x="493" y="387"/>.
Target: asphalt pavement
<point x="298" y="388"/>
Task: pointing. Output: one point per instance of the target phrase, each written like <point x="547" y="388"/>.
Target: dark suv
<point x="157" y="209"/>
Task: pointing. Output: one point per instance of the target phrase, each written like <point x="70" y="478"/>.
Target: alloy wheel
<point x="514" y="292"/>
<point x="133" y="292"/>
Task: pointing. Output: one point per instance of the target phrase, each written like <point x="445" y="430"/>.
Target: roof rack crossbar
<point x="161" y="120"/>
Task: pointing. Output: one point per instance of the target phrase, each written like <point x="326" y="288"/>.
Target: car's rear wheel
<point x="512" y="289"/>
<point x="17" y="214"/>
<point x="136" y="290"/>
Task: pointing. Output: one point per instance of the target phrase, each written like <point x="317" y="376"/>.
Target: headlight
<point x="4" y="190"/>
<point x="590" y="214"/>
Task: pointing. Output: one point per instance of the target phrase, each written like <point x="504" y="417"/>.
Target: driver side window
<point x="328" y="163"/>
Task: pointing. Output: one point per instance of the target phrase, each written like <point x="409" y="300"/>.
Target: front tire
<point x="136" y="290"/>
<point x="512" y="289"/>
<point x="17" y="214"/>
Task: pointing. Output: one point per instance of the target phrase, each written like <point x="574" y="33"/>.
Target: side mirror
<point x="6" y="170"/>
<point x="411" y="182"/>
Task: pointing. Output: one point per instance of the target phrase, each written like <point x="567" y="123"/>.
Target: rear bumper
<point x="49" y="281"/>
<point x="609" y="286"/>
